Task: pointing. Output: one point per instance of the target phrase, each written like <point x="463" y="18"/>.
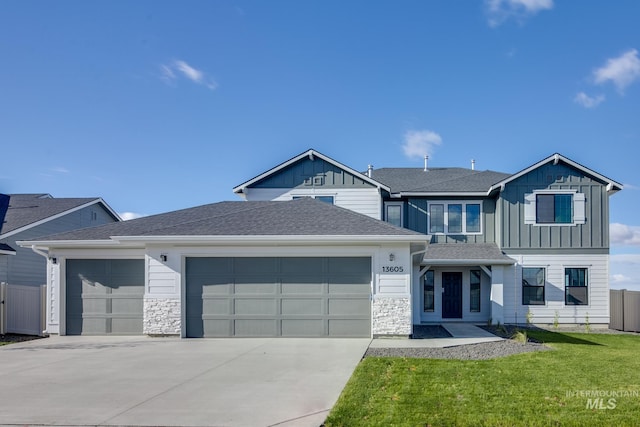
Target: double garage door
<point x="229" y="297"/>
<point x="289" y="297"/>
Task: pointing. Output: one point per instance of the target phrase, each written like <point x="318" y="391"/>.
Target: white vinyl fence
<point x="22" y="309"/>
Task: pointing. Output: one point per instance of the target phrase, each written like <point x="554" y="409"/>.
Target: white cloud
<point x="587" y="101"/>
<point x="499" y="11"/>
<point x="625" y="271"/>
<point x="420" y="143"/>
<point x="621" y="71"/>
<point x="60" y="169"/>
<point x="126" y="216"/>
<point x="626" y="235"/>
<point x="169" y="73"/>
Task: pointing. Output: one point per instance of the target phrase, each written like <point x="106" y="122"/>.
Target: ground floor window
<point x="533" y="286"/>
<point x="428" y="285"/>
<point x="575" y="286"/>
<point x="474" y="300"/>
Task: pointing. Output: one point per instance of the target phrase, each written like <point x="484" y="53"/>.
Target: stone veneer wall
<point x="162" y="316"/>
<point x="392" y="316"/>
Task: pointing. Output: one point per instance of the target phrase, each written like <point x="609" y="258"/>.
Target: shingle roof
<point x="302" y="217"/>
<point x="463" y="252"/>
<point x="27" y="209"/>
<point x="6" y="249"/>
<point x="438" y="180"/>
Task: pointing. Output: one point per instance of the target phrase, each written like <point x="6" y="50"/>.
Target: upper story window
<point x="554" y="207"/>
<point x="455" y="218"/>
<point x="326" y="199"/>
<point x="393" y="213"/>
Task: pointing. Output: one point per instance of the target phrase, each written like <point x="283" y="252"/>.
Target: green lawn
<point x="548" y="388"/>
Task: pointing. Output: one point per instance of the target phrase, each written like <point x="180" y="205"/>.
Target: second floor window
<point x="454" y="218"/>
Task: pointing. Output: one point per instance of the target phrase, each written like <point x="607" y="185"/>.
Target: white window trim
<point x="401" y="204"/>
<point x="587" y="279"/>
<point x="546" y="273"/>
<point x="464" y="204"/>
<point x="579" y="208"/>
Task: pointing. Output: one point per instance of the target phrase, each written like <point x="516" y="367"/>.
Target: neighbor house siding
<point x="366" y="201"/>
<point x="515" y="235"/>
<point x="597" y="309"/>
<point x="29" y="268"/>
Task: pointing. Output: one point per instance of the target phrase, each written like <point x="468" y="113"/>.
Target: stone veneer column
<point x="392" y="316"/>
<point x="162" y="316"/>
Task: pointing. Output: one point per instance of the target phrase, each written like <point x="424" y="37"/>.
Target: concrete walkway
<point x="461" y="334"/>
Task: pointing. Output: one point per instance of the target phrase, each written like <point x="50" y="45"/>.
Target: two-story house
<point x="320" y="249"/>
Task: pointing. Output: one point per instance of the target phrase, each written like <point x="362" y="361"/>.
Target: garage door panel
<point x="303" y="328"/>
<point x="296" y="296"/>
<point x="349" y="327"/>
<point x="252" y="286"/>
<point x="255" y="306"/>
<point x="302" y="266"/>
<point x="256" y="328"/>
<point x="339" y="307"/>
<point x="301" y="306"/>
<point x="204" y="266"/>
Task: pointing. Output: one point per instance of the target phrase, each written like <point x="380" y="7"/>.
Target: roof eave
<point x="442" y="194"/>
<point x="470" y="261"/>
<point x="273" y="239"/>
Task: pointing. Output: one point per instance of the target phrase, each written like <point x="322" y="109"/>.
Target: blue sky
<point x="161" y="105"/>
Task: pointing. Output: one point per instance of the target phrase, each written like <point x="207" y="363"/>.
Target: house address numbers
<point x="392" y="269"/>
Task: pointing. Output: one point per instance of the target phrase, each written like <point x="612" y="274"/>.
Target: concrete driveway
<point x="169" y="381"/>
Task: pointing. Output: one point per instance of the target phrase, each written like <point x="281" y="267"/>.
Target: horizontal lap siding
<point x="598" y="290"/>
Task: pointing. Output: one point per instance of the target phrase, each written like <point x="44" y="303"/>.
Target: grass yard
<point x="547" y="388"/>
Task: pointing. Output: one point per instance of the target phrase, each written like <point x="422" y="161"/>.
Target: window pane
<point x="544" y="208"/>
<point x="563" y="208"/>
<point x="436" y="218"/>
<point x="394" y="215"/>
<point x="455" y="218"/>
<point x="326" y="199"/>
<point x="533" y="281"/>
<point x="473" y="218"/>
<point x="576" y="289"/>
<point x="474" y="299"/>
<point x="428" y="291"/>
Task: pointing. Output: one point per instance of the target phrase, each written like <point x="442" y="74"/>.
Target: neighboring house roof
<point x="6" y="249"/>
<point x="417" y="181"/>
<point x="612" y="186"/>
<point x="29" y="210"/>
<point x="289" y="220"/>
<point x="464" y="253"/>
<point x="311" y="153"/>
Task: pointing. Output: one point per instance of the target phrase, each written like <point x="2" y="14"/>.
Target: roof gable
<point x="309" y="169"/>
<point x="612" y="186"/>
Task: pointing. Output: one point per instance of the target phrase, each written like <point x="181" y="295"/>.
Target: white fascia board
<point x="71" y="243"/>
<point x="438" y="262"/>
<point x="59" y="215"/>
<point x="555" y="158"/>
<point x="275" y="240"/>
<point x="442" y="194"/>
<point x="311" y="154"/>
<point x="3" y="252"/>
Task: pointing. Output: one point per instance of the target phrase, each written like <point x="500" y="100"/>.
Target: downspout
<point x="43" y="320"/>
<point x="40" y="252"/>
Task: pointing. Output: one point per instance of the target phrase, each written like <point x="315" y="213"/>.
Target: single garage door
<point x="289" y="297"/>
<point x="104" y="297"/>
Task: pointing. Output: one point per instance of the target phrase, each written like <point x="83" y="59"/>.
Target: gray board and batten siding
<point x="28" y="268"/>
<point x="517" y="237"/>
<point x="307" y="173"/>
<point x="104" y="297"/>
<point x="278" y="296"/>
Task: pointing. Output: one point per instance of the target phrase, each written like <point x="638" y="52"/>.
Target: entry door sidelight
<point x="452" y="295"/>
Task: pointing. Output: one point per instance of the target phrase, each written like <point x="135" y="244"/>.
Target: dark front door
<point x="452" y="295"/>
